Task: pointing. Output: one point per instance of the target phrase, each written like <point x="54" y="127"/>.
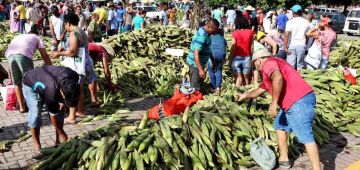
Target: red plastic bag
<point x="9" y="97"/>
<point x="349" y="77"/>
<point x="175" y="105"/>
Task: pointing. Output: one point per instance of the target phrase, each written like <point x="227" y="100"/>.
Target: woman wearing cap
<point x="267" y="41"/>
<point x="101" y="53"/>
<point x="296" y="100"/>
<point x="326" y="37"/>
<point x="50" y="85"/>
<point x="77" y="46"/>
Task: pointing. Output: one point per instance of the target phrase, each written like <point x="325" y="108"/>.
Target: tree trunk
<point x="196" y="14"/>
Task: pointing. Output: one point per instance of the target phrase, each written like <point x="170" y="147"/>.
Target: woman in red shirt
<point x="241" y="51"/>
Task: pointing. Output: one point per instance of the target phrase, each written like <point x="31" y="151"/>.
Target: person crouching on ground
<point x="218" y="51"/>
<point x="296" y="100"/>
<point x="200" y="52"/>
<point x="50" y="85"/>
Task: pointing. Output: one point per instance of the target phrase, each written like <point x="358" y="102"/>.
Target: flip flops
<point x="284" y="164"/>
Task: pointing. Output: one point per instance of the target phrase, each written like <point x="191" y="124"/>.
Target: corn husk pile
<point x="141" y="67"/>
<point x="346" y="54"/>
<point x="5" y="145"/>
<point x="214" y="133"/>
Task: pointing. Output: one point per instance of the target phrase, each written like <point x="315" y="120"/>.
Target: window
<point x="354" y="14"/>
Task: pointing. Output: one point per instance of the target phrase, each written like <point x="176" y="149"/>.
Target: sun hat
<point x="107" y="48"/>
<point x="260" y="35"/>
<point x="261" y="53"/>
<point x="296" y="8"/>
<point x="249" y="8"/>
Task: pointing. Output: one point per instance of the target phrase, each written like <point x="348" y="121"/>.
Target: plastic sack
<point x="262" y="154"/>
<point x="9" y="97"/>
<point x="175" y="105"/>
<point x="350" y="75"/>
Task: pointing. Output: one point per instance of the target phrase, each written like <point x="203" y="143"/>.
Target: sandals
<point x="66" y="122"/>
<point x="284" y="164"/>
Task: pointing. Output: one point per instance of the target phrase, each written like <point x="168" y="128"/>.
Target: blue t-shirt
<point x="138" y="20"/>
<point x="217" y="14"/>
<point x="120" y="14"/>
<point x="201" y="41"/>
<point x="281" y="21"/>
<point x="218" y="47"/>
<point x="164" y="18"/>
<point x="112" y="20"/>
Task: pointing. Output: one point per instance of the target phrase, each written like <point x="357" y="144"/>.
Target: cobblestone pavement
<point x="13" y="122"/>
<point x="336" y="155"/>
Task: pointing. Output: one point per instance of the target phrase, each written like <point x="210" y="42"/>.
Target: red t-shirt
<point x="294" y="87"/>
<point x="96" y="52"/>
<point x="244" y="40"/>
<point x="246" y="15"/>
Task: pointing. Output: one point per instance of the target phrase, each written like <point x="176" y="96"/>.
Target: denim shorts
<point x="35" y="104"/>
<point x="298" y="119"/>
<point x="241" y="65"/>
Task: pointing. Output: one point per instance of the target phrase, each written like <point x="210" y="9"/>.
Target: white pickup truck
<point x="151" y="12"/>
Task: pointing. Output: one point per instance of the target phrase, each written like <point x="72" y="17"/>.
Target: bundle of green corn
<point x="180" y="13"/>
<point x="214" y="133"/>
<point x="151" y="42"/>
<point x="141" y="67"/>
<point x="337" y="100"/>
<point x="346" y="54"/>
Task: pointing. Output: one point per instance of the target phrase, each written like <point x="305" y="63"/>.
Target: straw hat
<point x="107" y="48"/>
<point x="249" y="8"/>
<point x="261" y="53"/>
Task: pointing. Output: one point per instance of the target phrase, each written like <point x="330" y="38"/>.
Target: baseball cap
<point x="260" y="35"/>
<point x="296" y="8"/>
<point x="71" y="90"/>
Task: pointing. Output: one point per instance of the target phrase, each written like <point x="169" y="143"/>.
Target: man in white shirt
<point x="32" y="15"/>
<point x="231" y="16"/>
<point x="295" y="31"/>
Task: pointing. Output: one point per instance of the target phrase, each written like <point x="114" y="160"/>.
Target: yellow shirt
<point x="22" y="12"/>
<point x="102" y="15"/>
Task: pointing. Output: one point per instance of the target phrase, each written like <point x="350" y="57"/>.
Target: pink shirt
<point x="328" y="37"/>
<point x="294" y="87"/>
<point x="24" y="44"/>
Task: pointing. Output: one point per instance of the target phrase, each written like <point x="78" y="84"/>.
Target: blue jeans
<point x="215" y="74"/>
<point x="324" y="62"/>
<point x="241" y="65"/>
<point x="298" y="119"/>
<point x="296" y="58"/>
<point x="282" y="54"/>
<point x="35" y="103"/>
<point x="22" y="26"/>
<point x="119" y="25"/>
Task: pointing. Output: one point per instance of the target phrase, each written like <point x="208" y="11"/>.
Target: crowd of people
<point x="290" y="40"/>
<point x="276" y="44"/>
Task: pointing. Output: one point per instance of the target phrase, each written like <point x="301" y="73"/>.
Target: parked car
<point x="337" y="21"/>
<point x="329" y="10"/>
<point x="352" y="22"/>
<point x="151" y="12"/>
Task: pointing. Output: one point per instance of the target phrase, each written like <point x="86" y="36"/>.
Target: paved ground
<point x="15" y="122"/>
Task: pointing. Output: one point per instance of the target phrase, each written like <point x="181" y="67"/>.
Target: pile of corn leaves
<point x="214" y="133"/>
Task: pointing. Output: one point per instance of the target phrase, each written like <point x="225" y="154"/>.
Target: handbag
<point x="76" y="63"/>
<point x="314" y="54"/>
